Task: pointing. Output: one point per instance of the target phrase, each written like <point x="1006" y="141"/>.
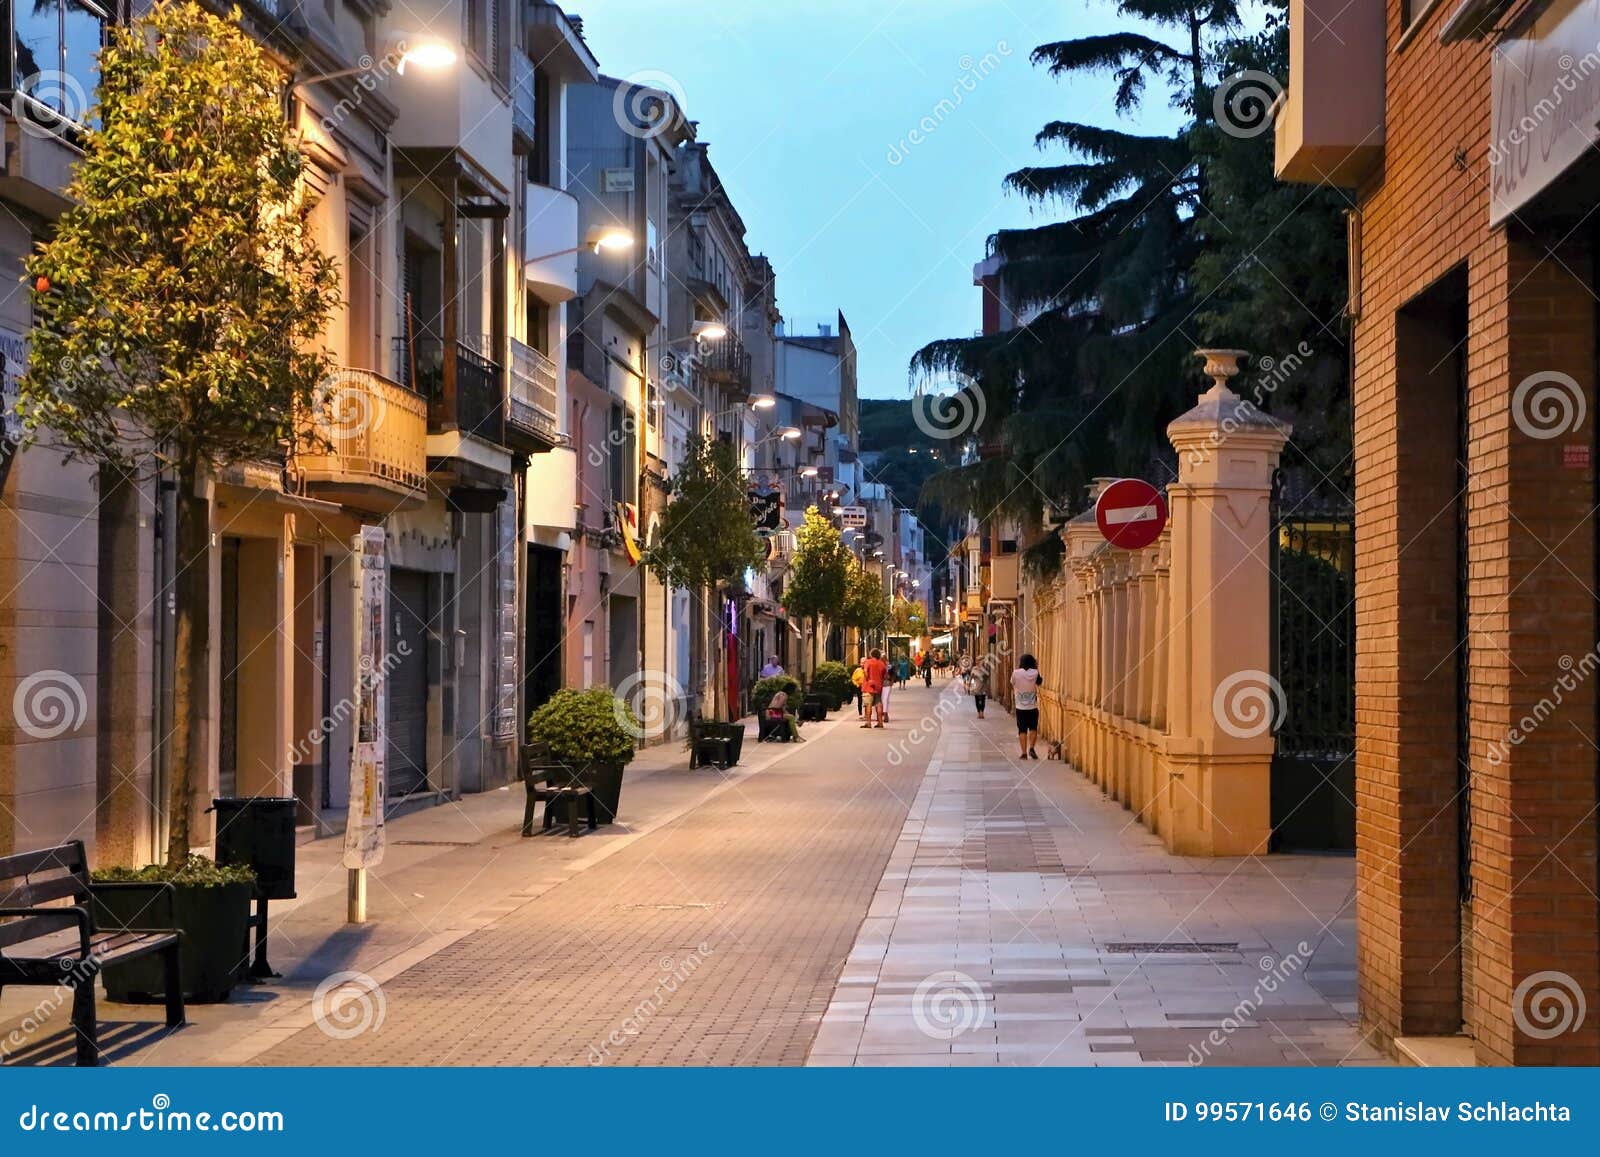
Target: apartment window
<point x="651" y="240"/>
<point x="486" y="36"/>
<point x="624" y="450"/>
<point x="362" y="280"/>
<point x="53" y="48"/>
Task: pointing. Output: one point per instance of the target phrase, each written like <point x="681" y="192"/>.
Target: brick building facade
<point x="1474" y="303"/>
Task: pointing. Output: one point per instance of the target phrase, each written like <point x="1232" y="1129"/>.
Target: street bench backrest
<point x="40" y="879"/>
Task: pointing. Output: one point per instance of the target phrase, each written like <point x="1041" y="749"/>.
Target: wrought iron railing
<point x="727" y="363"/>
<point x="479" y="402"/>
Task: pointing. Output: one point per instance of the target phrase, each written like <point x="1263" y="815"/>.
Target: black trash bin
<point x="260" y="834"/>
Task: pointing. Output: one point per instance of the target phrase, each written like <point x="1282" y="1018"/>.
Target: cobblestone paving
<point x="1026" y="919"/>
<point x="717" y="940"/>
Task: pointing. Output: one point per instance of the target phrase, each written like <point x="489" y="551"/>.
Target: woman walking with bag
<point x="1025" y="684"/>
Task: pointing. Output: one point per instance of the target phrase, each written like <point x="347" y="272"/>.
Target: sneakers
<point x="1032" y="754"/>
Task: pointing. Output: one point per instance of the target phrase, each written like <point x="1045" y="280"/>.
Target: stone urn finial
<point x="1220" y="366"/>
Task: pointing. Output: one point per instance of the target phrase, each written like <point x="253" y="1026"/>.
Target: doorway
<point x="406" y="684"/>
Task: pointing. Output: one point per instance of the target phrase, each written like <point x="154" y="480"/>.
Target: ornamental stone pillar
<point x="1222" y="700"/>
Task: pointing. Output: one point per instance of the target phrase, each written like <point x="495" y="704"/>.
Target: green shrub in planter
<point x="761" y="694"/>
<point x="594" y="733"/>
<point x="833" y="682"/>
<point x="206" y="902"/>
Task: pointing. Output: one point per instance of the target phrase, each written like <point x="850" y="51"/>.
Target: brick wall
<point x="1530" y="555"/>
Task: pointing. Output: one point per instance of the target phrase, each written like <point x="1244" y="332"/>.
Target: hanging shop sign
<point x="1545" y="89"/>
<point x="852" y="517"/>
<point x="766" y="511"/>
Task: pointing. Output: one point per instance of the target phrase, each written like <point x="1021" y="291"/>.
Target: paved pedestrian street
<point x="907" y="896"/>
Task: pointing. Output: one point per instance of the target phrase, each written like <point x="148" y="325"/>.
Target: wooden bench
<point x="551" y="783"/>
<point x="44" y="941"/>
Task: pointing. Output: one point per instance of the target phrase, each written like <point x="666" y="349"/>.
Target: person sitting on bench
<point x="778" y="708"/>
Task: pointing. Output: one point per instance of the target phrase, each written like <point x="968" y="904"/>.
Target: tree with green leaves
<point x="866" y="603"/>
<point x="706" y="537"/>
<point x="818" y="576"/>
<point x="706" y="534"/>
<point x="1170" y="241"/>
<point x="179" y="302"/>
<point x="908" y="617"/>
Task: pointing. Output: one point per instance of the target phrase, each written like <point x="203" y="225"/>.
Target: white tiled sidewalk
<point x="1024" y="918"/>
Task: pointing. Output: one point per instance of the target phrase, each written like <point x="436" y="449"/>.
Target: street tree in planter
<point x="592" y="733"/>
<point x="819" y="575"/>
<point x="179" y="302"/>
<point x="706" y="538"/>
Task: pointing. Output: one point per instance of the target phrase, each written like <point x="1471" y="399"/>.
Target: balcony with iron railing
<point x="478" y="407"/>
<point x="533" y="401"/>
<point x="726" y="363"/>
<point x="367" y="444"/>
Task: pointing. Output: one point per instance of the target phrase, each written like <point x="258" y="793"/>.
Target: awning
<point x="941" y="640"/>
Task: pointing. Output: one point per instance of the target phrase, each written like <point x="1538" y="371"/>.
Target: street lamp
<point x="763" y="402"/>
<point x="429" y="53"/>
<point x="708" y="331"/>
<point x="597" y="239"/>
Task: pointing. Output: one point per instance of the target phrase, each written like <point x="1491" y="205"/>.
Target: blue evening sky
<point x="803" y="106"/>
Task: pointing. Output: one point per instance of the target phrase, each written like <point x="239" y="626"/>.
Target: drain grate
<point x="434" y="843"/>
<point x="1167" y="947"/>
<point x="687" y="907"/>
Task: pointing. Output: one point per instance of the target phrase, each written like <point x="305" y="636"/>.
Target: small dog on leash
<point x="1052" y="749"/>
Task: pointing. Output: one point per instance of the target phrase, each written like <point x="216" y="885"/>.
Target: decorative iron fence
<point x="1313" y="652"/>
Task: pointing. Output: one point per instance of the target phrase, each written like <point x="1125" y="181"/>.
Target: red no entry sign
<point x="1131" y="513"/>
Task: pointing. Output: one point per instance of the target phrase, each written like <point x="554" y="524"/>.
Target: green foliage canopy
<point x="179" y="302"/>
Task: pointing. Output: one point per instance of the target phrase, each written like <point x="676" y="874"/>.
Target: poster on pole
<point x="363" y="833"/>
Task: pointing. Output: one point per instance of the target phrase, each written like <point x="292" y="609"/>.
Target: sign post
<point x="363" y="833"/>
<point x="1131" y="513"/>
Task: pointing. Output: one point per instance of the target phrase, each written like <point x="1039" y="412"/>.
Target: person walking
<point x="902" y="670"/>
<point x="977" y="684"/>
<point x="857" y="677"/>
<point x="874" y="675"/>
<point x="1025" y="684"/>
<point x="927" y="670"/>
<point x="772" y="668"/>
